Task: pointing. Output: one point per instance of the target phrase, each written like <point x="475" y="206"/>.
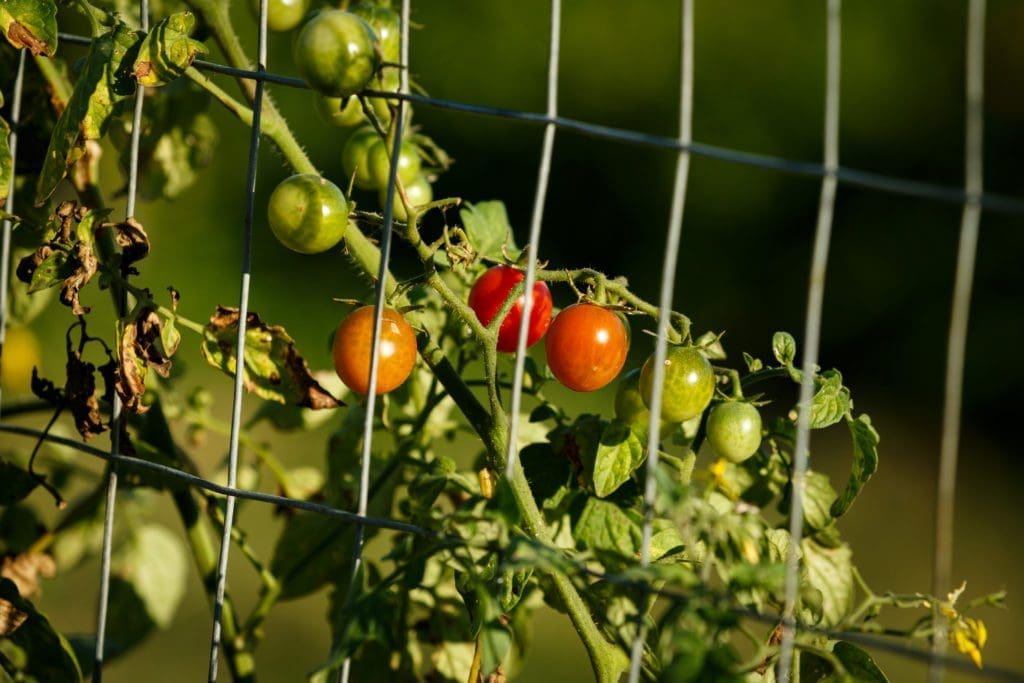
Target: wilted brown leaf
<point x="10" y="618"/>
<point x="80" y="395"/>
<point x="26" y="569"/>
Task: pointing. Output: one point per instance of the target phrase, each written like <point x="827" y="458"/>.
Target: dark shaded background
<point x="742" y="268"/>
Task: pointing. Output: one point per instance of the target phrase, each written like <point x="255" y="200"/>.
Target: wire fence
<point x="971" y="196"/>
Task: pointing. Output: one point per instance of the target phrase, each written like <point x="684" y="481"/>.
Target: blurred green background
<point x="742" y="268"/>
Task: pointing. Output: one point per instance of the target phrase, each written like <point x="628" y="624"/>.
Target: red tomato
<point x="586" y="347"/>
<point x="352" y="346"/>
<point x="490" y="292"/>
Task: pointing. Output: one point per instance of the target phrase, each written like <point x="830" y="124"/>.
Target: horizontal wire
<point x="868" y="640"/>
<point x="920" y="189"/>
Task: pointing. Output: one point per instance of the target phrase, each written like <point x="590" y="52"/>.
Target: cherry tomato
<point x="418" y="193"/>
<point x="734" y="430"/>
<point x="490" y="292"/>
<point x="352" y="350"/>
<point x="586" y="346"/>
<point x="355" y="157"/>
<point x="379" y="162"/>
<point x="386" y="23"/>
<point x="336" y="52"/>
<point x="688" y="387"/>
<point x="282" y="15"/>
<point x="307" y="213"/>
<point x="331" y="111"/>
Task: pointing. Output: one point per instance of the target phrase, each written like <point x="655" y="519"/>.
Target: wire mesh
<point x="5" y="239"/>
<point x="971" y="196"/>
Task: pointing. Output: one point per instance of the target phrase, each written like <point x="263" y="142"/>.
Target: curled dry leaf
<point x="273" y="369"/>
<point x="26" y="569"/>
<point x="148" y="341"/>
<point x="80" y="395"/>
<point x="134" y="243"/>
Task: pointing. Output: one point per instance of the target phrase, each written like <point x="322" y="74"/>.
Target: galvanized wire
<point x="5" y="240"/>
<point x="533" y="246"/>
<point x="110" y="503"/>
<point x="668" y="279"/>
<point x="366" y="455"/>
<point x="812" y="336"/>
<point x="957" y="345"/>
<point x="243" y="314"/>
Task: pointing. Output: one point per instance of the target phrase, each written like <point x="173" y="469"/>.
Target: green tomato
<point x="418" y="192"/>
<point x="688" y="387"/>
<point x="307" y="213"/>
<point x="332" y="111"/>
<point x="734" y="430"/>
<point x="355" y="157"/>
<point x="282" y="15"/>
<point x="336" y="52"/>
<point x="379" y="162"/>
<point x="630" y="407"/>
<point x="386" y="23"/>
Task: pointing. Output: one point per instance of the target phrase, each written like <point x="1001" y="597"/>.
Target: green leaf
<point x="783" y="348"/>
<point x="865" y="461"/>
<point x="47" y="655"/>
<point x="167" y="50"/>
<point x="51" y="272"/>
<point x="25" y="306"/>
<point x="30" y="24"/>
<point x="831" y="400"/>
<point x="154" y="562"/>
<point x="858" y="663"/>
<point x="548" y="473"/>
<point x="604" y="526"/>
<point x="312" y="551"/>
<point x="274" y="370"/>
<point x="6" y="162"/>
<point x="15" y="483"/>
<point x="818" y="499"/>
<point x="104" y="83"/>
<point x="487" y="226"/>
<point x="753" y="364"/>
<point x="619" y="453"/>
<point x="829" y="571"/>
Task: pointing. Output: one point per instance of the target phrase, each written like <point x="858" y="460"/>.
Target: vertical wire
<point x="243" y="314"/>
<point x="957" y="345"/>
<point x="812" y="335"/>
<point x="115" y="409"/>
<point x="543" y="174"/>
<point x="668" y="274"/>
<point x="378" y="315"/>
<point x="5" y="247"/>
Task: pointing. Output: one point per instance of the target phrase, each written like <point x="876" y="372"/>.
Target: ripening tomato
<point x="307" y="213"/>
<point x="336" y="52"/>
<point x="688" y="387"/>
<point x="490" y="292"/>
<point x="352" y="347"/>
<point x="734" y="430"/>
<point x="586" y="346"/>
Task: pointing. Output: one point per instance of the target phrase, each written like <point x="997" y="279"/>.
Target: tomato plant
<point x="688" y="386"/>
<point x="307" y="213"/>
<point x="734" y="430"/>
<point x="282" y="15"/>
<point x="353" y="345"/>
<point x="337" y="53"/>
<point x="586" y="346"/>
<point x="454" y="601"/>
<point x="491" y="290"/>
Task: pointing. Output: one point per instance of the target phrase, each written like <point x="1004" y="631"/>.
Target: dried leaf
<point x="10" y="618"/>
<point x="273" y="369"/>
<point x="167" y="51"/>
<point x="144" y="344"/>
<point x="30" y="24"/>
<point x="80" y="395"/>
<point x="25" y="569"/>
<point x="133" y="240"/>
